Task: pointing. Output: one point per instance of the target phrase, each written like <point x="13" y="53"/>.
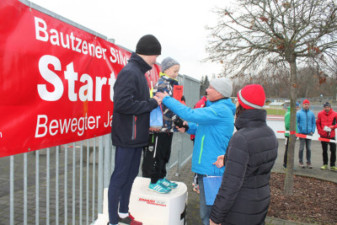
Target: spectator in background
<point x="244" y="195"/>
<point x="213" y="127"/>
<point x="306" y="125"/>
<point x="326" y="125"/>
<point x="130" y="126"/>
<point x="286" y="135"/>
<point x="200" y="104"/>
<point x="154" y="162"/>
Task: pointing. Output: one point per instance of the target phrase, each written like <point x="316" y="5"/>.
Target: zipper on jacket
<point x="155" y="148"/>
<point x="307" y="121"/>
<point x="134" y="127"/>
<point x="201" y="148"/>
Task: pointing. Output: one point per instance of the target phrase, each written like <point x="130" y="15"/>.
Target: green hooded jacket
<point x="287" y="122"/>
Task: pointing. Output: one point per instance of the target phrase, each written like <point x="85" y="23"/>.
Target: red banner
<point x="56" y="80"/>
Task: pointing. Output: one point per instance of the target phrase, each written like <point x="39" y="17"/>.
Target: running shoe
<point x="159" y="187"/>
<point x="324" y="167"/>
<point x="168" y="183"/>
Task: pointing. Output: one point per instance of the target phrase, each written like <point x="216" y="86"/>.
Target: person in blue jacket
<point x="213" y="127"/>
<point x="306" y="125"/>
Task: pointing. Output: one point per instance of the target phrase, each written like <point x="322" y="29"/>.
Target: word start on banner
<point x="86" y="91"/>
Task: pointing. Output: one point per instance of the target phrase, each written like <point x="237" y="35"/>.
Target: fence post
<point x="107" y="160"/>
<point x="100" y="176"/>
<point x="11" y="183"/>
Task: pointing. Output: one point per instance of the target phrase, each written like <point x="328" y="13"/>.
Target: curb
<point x="277" y="221"/>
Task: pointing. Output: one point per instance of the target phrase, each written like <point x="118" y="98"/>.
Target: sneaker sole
<point x="169" y="186"/>
<point x="158" y="191"/>
<point x="121" y="223"/>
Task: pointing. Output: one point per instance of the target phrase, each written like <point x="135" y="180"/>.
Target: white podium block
<point x="152" y="208"/>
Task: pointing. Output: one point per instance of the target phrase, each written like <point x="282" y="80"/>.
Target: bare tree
<point x="331" y="68"/>
<point x="204" y="83"/>
<point x="275" y="33"/>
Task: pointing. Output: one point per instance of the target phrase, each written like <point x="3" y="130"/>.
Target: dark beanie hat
<point x="327" y="104"/>
<point x="148" y="45"/>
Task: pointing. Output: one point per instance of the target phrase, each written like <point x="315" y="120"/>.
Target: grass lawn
<point x="280" y="112"/>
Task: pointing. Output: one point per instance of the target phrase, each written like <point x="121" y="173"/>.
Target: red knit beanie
<point x="252" y="96"/>
<point x="306" y="101"/>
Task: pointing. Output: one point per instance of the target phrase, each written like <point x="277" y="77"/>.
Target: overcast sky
<point x="178" y="24"/>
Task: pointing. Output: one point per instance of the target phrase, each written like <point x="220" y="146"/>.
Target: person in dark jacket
<point x="326" y="125"/>
<point x="244" y="195"/>
<point x="130" y="126"/>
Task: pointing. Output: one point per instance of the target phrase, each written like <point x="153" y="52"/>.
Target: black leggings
<point x="285" y="158"/>
<point x="156" y="156"/>
<point x="325" y="153"/>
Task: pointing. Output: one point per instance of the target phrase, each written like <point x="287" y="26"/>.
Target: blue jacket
<point x="213" y="127"/>
<point x="305" y="121"/>
<point x="228" y="103"/>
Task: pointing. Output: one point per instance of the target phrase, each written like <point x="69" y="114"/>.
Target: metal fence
<point x="60" y="185"/>
<point x="64" y="184"/>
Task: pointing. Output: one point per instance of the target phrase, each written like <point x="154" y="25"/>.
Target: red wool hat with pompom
<point x="252" y="96"/>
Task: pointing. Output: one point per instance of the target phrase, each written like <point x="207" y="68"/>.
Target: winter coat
<point x="213" y="126"/>
<point x="228" y="103"/>
<point x="326" y="119"/>
<point x="200" y="104"/>
<point x="244" y="195"/>
<point x="306" y="123"/>
<point x="165" y="84"/>
<point x="132" y="105"/>
<point x="231" y="105"/>
<point x="287" y="122"/>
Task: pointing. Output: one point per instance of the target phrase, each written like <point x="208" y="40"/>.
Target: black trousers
<point x="285" y="158"/>
<point x="156" y="156"/>
<point x="325" y="153"/>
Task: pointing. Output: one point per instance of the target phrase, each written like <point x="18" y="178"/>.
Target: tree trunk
<point x="289" y="179"/>
<point x="334" y="95"/>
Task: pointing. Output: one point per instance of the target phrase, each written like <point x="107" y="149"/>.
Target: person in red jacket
<point x="200" y="104"/>
<point x="326" y="125"/>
